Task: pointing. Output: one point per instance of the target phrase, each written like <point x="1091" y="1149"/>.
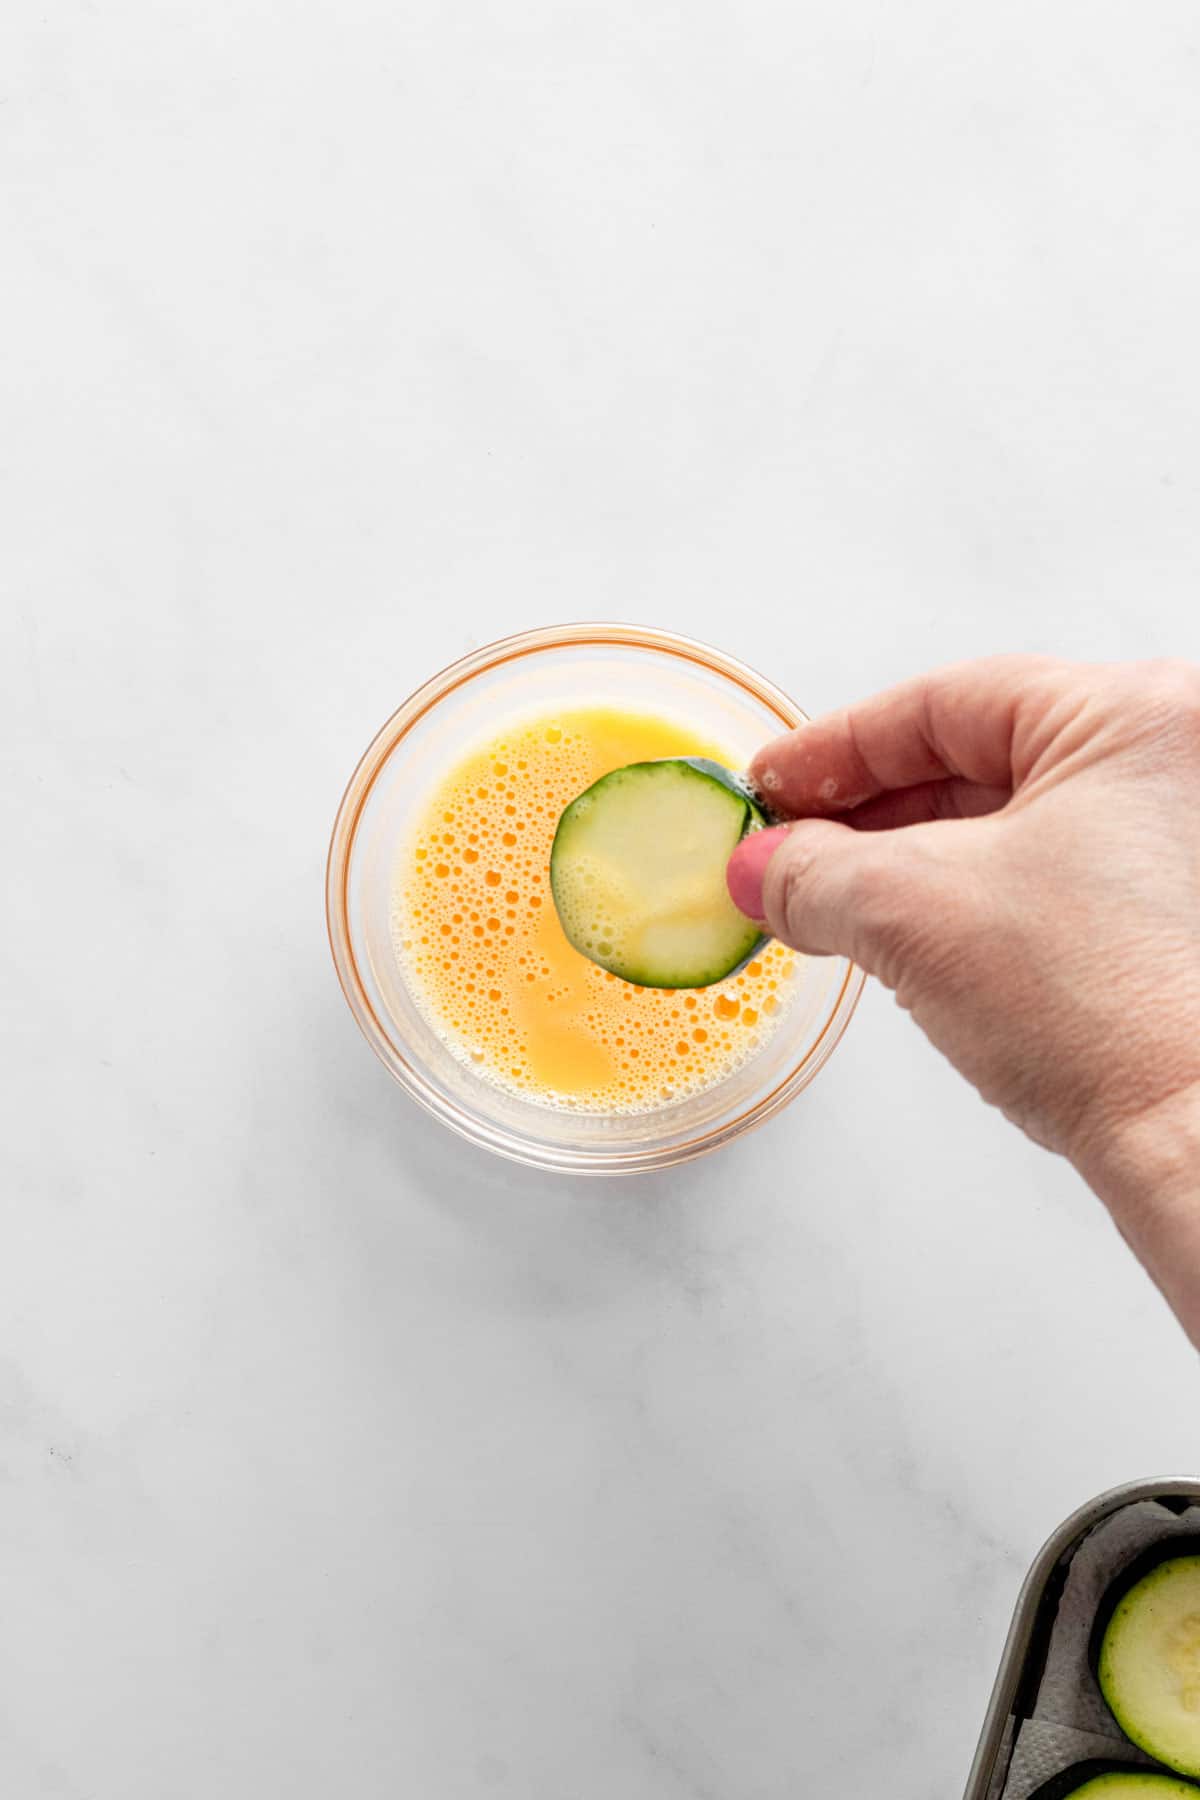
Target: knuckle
<point x="894" y="926"/>
<point x="873" y="894"/>
<point x="923" y="915"/>
<point x="789" y="883"/>
<point x="1171" y="683"/>
<point x="1179" y="685"/>
<point x="883" y="911"/>
<point x="1169" y="692"/>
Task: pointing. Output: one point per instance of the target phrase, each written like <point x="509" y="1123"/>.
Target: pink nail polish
<point x="748" y="867"/>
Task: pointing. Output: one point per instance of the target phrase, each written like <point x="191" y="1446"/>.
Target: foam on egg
<point x="477" y="935"/>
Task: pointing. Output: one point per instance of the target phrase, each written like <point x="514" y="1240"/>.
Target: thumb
<point x="828" y="890"/>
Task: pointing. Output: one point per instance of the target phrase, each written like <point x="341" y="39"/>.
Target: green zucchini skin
<point x="1141" y="1589"/>
<point x="1101" y="1780"/>
<point x="761" y="818"/>
<point x="571" y="840"/>
<point x="737" y="784"/>
<point x="1143" y="1564"/>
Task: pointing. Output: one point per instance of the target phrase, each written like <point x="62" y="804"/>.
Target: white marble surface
<point x="335" y="1458"/>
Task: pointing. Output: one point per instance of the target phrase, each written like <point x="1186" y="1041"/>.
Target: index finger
<point x="959" y="721"/>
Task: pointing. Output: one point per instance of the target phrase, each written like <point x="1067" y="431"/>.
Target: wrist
<point x="1146" y="1170"/>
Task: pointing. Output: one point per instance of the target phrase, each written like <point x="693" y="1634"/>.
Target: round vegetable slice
<point x="637" y="870"/>
<point x="1148" y="1661"/>
<point x="1114" y="1781"/>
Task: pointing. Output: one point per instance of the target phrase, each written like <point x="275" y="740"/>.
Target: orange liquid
<point x="476" y="930"/>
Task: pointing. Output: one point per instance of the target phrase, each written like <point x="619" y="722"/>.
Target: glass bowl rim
<point x="564" y="1159"/>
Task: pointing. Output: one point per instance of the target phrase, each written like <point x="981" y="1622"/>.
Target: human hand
<point x="1013" y="847"/>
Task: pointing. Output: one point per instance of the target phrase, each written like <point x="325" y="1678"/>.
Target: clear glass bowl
<point x="624" y="665"/>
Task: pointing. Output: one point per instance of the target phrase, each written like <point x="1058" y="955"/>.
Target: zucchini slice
<point x="1114" y="1781"/>
<point x="1148" y="1653"/>
<point x="637" y="870"/>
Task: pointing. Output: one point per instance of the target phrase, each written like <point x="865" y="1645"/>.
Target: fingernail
<point x="748" y="867"/>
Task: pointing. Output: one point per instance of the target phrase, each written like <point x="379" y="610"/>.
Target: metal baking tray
<point x="1028" y="1635"/>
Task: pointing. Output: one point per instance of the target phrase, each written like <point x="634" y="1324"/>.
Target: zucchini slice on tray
<point x="637" y="871"/>
<point x="1146" y="1653"/>
<point x="1114" y="1781"/>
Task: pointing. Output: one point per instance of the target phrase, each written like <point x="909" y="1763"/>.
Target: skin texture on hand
<point x="1013" y="847"/>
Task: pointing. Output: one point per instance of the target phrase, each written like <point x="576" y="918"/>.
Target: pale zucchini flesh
<point x="637" y="871"/>
<point x="1148" y="1665"/>
<point x="1109" y="1781"/>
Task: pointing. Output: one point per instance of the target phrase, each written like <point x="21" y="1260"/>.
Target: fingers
<point x="827" y="890"/>
<point x="929" y="800"/>
<point x="957" y="722"/>
<point x="747" y="869"/>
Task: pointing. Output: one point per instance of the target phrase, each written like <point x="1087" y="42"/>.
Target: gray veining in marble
<point x="335" y="1458"/>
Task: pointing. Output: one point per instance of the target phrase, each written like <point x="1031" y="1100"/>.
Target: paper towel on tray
<point x="1070" y="1721"/>
<point x="1045" y="1749"/>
